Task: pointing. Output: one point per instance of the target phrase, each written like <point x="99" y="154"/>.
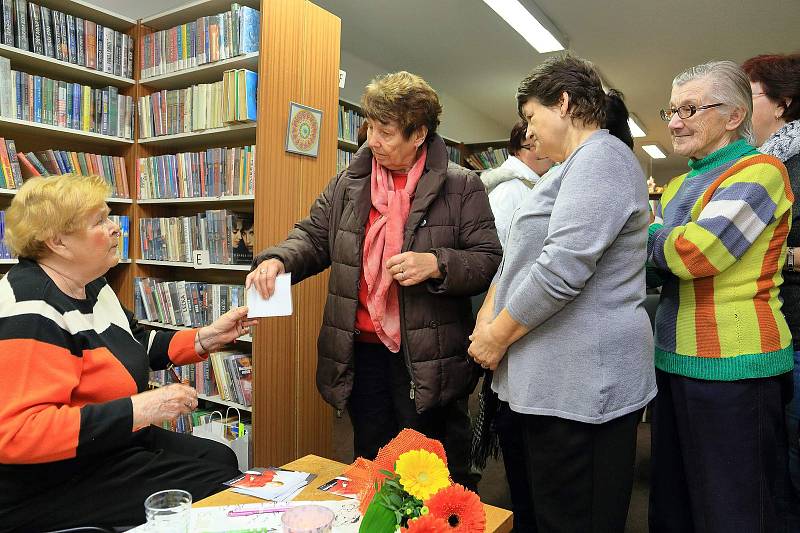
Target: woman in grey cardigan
<point x="564" y="327"/>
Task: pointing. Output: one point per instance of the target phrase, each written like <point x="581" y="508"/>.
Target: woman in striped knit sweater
<point x="723" y="348"/>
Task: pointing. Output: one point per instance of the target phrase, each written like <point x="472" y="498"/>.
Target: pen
<point x="258" y="511"/>
<point x="175" y="375"/>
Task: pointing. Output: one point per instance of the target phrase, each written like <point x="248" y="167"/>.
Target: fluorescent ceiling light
<point x="636" y="130"/>
<point x="654" y="151"/>
<point x="526" y="25"/>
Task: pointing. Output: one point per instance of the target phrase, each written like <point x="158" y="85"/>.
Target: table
<point x="497" y="520"/>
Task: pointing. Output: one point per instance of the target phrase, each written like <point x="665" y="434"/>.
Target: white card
<point x="279" y="304"/>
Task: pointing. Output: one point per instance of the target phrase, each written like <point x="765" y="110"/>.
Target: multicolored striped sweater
<point x="67" y="370"/>
<point x="720" y="251"/>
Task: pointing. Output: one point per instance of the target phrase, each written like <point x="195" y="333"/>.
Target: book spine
<point x="108" y="50"/>
<point x="47" y="31"/>
<point x="37" y="46"/>
<point x="73" y="49"/>
<point x="118" y="57"/>
<point x="80" y="41"/>
<point x="21" y="19"/>
<point x="59" y="51"/>
<point x="90" y="35"/>
<point x="37" y="99"/>
<point x="8" y="21"/>
<point x="12" y="156"/>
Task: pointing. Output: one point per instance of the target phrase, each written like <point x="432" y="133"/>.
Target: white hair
<point x="729" y="85"/>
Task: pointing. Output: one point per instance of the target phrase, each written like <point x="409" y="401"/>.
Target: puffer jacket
<point x="450" y="217"/>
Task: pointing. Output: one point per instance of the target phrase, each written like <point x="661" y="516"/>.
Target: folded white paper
<point x="279" y="304"/>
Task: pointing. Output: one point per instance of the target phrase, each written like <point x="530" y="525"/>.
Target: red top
<point x="364" y="327"/>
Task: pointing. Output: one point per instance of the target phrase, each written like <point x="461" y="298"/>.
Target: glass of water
<point x="168" y="511"/>
<point x="308" y="519"/>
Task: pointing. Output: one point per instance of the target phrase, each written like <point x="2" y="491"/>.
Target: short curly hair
<point x="405" y="98"/>
<point x="46" y="207"/>
<point x="566" y="74"/>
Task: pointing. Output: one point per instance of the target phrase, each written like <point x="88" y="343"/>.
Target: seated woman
<point x="76" y="442"/>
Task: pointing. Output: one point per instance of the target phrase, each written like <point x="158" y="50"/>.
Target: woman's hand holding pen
<point x="223" y="330"/>
<point x="165" y="403"/>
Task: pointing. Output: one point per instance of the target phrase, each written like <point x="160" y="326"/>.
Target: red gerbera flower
<point x="461" y="508"/>
<point x="428" y="524"/>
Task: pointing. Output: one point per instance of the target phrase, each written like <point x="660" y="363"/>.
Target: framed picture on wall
<point x="302" y="132"/>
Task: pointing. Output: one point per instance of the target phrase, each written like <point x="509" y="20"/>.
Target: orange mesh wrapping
<point x="363" y="473"/>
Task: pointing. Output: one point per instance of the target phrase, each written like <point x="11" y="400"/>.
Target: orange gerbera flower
<point x="428" y="524"/>
<point x="461" y="508"/>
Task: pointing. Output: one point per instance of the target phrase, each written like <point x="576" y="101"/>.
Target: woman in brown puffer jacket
<point x="409" y="237"/>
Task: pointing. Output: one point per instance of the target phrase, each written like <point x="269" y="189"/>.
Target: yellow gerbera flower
<point x="422" y="473"/>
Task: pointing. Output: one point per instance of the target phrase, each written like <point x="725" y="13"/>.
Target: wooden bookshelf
<point x="243" y="338"/>
<point x="61" y="70"/>
<point x="181" y="264"/>
<point x="13" y="128"/>
<point x="300" y="64"/>
<point x="8" y="261"/>
<point x="242" y="198"/>
<point x="235" y="135"/>
<point x="206" y="73"/>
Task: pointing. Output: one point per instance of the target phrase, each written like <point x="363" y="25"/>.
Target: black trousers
<point x="380" y="406"/>
<point x="509" y="427"/>
<point x="581" y="474"/>
<point x="111" y="491"/>
<point x="718" y="455"/>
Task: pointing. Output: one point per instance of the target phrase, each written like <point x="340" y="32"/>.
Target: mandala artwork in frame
<point x="302" y="132"/>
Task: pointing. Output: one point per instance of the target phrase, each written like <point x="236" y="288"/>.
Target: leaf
<point x="378" y="518"/>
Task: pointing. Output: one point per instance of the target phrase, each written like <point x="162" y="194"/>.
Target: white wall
<point x="459" y="122"/>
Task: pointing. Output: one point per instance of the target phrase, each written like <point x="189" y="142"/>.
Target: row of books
<point x="60" y="103"/>
<point x="226" y="235"/>
<point x="184" y="303"/>
<point x="124" y="224"/>
<point x="49" y="32"/>
<point x="453" y="154"/>
<point x="215" y="172"/>
<point x="205" y="40"/>
<point x="349" y="123"/>
<point x="343" y="159"/>
<point x="56" y="162"/>
<point x="489" y="158"/>
<point x="10" y="171"/>
<point x="5" y="253"/>
<point x="200" y="107"/>
<point x="227" y="374"/>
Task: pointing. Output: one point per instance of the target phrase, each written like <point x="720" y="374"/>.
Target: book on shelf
<point x="52" y="33"/>
<point x="343" y="159"/>
<point x="10" y="171"/>
<point x="349" y="123"/>
<point x="211" y="173"/>
<point x="69" y="105"/>
<point x="489" y="158"/>
<point x="226" y="235"/>
<point x="199" y="107"/>
<point x="5" y="253"/>
<point x="124" y="233"/>
<point x="184" y="303"/>
<point x="198" y="42"/>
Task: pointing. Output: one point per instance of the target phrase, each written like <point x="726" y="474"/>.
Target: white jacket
<point x="507" y="185"/>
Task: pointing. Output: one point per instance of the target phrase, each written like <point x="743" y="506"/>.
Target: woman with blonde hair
<point x="77" y="444"/>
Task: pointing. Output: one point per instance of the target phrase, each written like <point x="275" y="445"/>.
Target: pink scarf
<point x="384" y="240"/>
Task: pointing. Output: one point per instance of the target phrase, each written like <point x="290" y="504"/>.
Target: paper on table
<point x="279" y="304"/>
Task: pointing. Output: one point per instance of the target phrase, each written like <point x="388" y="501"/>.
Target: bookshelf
<point x="301" y="66"/>
<point x="30" y="136"/>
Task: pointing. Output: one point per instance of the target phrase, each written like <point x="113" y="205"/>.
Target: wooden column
<point x="299" y="63"/>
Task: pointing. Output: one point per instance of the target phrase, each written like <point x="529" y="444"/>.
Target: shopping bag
<point x="229" y="431"/>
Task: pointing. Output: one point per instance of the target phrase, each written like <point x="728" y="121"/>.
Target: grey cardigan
<point x="573" y="272"/>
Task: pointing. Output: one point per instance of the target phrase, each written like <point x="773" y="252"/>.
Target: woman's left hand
<point x="486" y="349"/>
<point x="411" y="268"/>
<point x="223" y="330"/>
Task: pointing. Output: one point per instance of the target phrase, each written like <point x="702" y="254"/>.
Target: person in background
<point x="409" y="237"/>
<point x="508" y="184"/>
<point x="775" y="83"/>
<point x="563" y="323"/>
<point x="76" y="442"/>
<point x="723" y="348"/>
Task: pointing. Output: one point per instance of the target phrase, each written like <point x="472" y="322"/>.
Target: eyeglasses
<point x="758" y="94"/>
<point x="684" y="111"/>
<point x="525" y="146"/>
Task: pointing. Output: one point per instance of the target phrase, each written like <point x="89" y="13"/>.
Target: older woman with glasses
<point x="723" y="348"/>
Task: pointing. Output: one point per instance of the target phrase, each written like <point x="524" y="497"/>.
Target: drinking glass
<point x="168" y="511"/>
<point x="308" y="519"/>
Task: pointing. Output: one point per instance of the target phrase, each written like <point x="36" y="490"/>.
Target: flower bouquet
<point x="407" y="488"/>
